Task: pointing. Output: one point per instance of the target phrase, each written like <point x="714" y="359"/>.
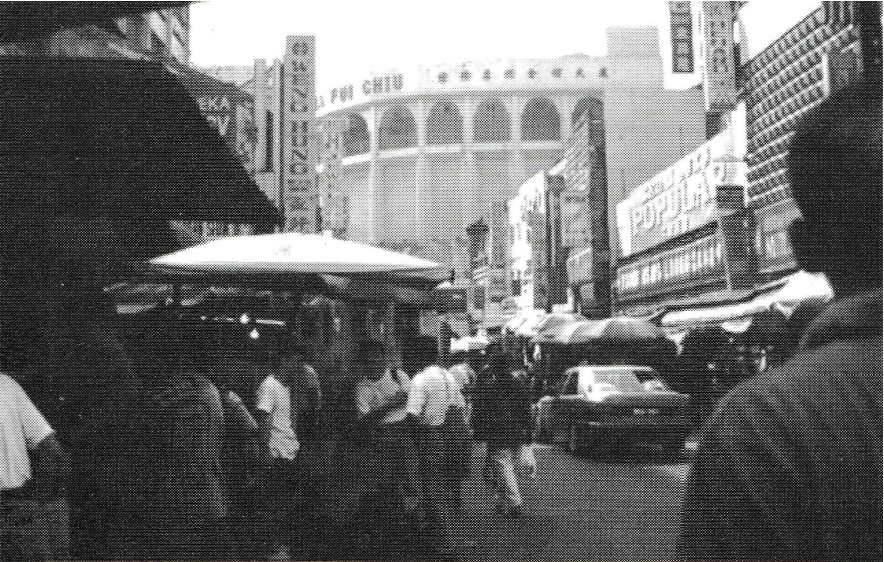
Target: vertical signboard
<point x="717" y="55"/>
<point x="300" y="151"/>
<point x="333" y="201"/>
<point x="682" y="37"/>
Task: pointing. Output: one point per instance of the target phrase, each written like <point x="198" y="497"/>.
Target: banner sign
<point x="682" y="37"/>
<point x="300" y="150"/>
<point x="679" y="199"/>
<point x="575" y="218"/>
<point x="717" y="56"/>
<point x="699" y="260"/>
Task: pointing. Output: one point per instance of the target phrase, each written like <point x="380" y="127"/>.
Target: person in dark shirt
<point x="789" y="464"/>
<point x="503" y="420"/>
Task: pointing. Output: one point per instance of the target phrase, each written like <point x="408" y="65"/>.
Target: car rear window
<point x="623" y="381"/>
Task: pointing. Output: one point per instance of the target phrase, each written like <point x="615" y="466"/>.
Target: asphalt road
<point x="621" y="506"/>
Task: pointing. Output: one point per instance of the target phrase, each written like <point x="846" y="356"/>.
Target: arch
<point x="541" y="121"/>
<point x="491" y="122"/>
<point x="445" y="124"/>
<point x="355" y="137"/>
<point x="594" y="106"/>
<point x="397" y="129"/>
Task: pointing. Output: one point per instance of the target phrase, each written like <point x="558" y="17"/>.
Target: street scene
<point x="386" y="282"/>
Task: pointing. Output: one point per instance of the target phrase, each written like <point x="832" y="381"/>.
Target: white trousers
<point x="503" y="474"/>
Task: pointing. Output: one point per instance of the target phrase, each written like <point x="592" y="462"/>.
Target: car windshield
<point x="623" y="381"/>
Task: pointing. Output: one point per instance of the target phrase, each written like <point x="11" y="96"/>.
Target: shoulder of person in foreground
<point x="773" y="456"/>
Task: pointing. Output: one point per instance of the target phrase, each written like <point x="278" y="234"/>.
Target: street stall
<point x="724" y="343"/>
<point x="339" y="293"/>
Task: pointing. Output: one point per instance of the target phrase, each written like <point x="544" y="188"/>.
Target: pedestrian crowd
<point x="164" y="448"/>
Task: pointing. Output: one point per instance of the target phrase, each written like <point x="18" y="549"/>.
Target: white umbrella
<point x="287" y="253"/>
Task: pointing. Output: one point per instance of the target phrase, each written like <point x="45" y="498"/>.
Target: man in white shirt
<point x="280" y="448"/>
<point x="23" y="429"/>
<point x="431" y="393"/>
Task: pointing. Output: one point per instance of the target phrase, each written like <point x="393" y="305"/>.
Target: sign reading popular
<point x="679" y="199"/>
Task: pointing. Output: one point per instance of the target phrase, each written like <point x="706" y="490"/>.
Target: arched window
<point x="592" y="105"/>
<point x="355" y="136"/>
<point x="541" y="121"/>
<point x="491" y="122"/>
<point x="397" y="129"/>
<point x="444" y="125"/>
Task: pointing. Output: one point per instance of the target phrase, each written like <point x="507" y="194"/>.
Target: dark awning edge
<point x="127" y="135"/>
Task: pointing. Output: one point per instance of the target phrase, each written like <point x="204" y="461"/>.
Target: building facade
<point x="831" y="46"/>
<point x="425" y="151"/>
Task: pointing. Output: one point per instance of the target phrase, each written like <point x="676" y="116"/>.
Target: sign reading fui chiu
<point x="679" y="199"/>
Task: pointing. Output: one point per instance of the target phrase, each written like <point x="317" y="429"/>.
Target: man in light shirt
<point x="431" y="393"/>
<point x="23" y="429"/>
<point x="280" y="448"/>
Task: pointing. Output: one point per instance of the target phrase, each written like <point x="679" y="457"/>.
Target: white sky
<point x="354" y="38"/>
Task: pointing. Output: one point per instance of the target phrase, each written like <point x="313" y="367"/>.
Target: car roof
<point x="597" y="368"/>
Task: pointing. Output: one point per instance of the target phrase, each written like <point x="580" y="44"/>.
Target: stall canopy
<point x="621" y="329"/>
<point x="293" y="254"/>
<point x="116" y="138"/>
<point x="553" y="324"/>
<point x="525" y="323"/>
<point x="738" y="317"/>
<point x="23" y="21"/>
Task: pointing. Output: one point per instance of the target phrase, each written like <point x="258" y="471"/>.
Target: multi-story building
<point x="426" y="150"/>
<point x="832" y="45"/>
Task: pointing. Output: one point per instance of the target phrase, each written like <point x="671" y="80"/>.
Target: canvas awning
<point x="25" y="21"/>
<point x="116" y="138"/>
<point x="288" y="253"/>
<point x="737" y="317"/>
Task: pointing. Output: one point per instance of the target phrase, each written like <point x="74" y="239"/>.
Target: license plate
<point x="645" y="411"/>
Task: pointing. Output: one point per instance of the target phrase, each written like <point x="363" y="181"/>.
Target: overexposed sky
<point x="354" y="38"/>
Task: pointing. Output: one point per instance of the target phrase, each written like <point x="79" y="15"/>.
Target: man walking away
<point x="24" y="429"/>
<point x="428" y="401"/>
<point x="280" y="448"/>
<point x="503" y="420"/>
<point x="789" y="465"/>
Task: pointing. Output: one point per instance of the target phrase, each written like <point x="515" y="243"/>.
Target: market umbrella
<point x="528" y="328"/>
<point x="287" y="253"/>
<point x="621" y="329"/>
<point x="554" y="324"/>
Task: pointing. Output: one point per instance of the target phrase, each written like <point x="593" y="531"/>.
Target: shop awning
<point x="116" y="138"/>
<point x="25" y="21"/>
<point x="738" y="317"/>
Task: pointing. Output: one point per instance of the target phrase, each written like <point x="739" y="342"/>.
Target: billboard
<point x="679" y="199"/>
<point x="682" y="35"/>
<point x="299" y="135"/>
<point x="717" y="55"/>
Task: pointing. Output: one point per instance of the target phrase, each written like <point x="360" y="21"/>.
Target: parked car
<point x="612" y="405"/>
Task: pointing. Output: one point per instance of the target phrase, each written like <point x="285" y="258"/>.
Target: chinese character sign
<point x="300" y="146"/>
<point x="717" y="54"/>
<point x="682" y="37"/>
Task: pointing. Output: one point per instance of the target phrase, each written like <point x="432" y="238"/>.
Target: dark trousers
<point x="22" y="534"/>
<point x="436" y="482"/>
<point x="276" y="501"/>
